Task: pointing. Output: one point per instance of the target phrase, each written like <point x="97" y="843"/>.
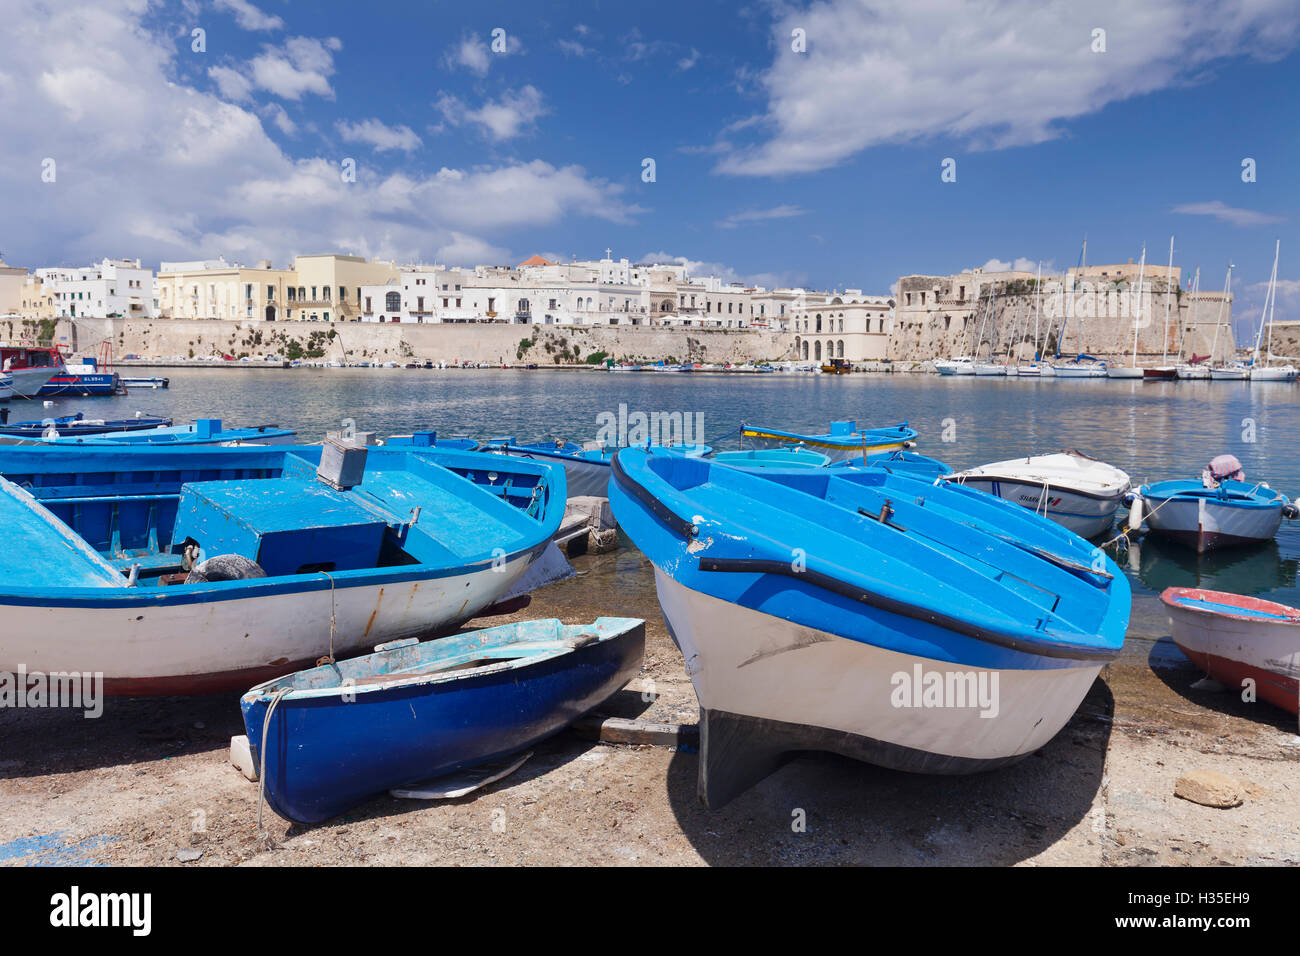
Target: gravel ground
<point x="151" y="779"/>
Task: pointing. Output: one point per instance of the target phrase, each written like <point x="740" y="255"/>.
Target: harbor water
<point x="1152" y="430"/>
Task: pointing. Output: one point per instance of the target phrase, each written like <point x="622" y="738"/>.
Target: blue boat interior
<point x="949" y="549"/>
<point x="1218" y="607"/>
<point x="110" y="517"/>
<point x="1232" y="493"/>
<point x="447" y="658"/>
<point x="773" y="458"/>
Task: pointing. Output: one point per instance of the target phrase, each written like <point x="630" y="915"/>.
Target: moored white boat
<point x="1274" y="373"/>
<point x="1232" y="514"/>
<point x="990" y="368"/>
<point x="1235" y="638"/>
<point x="1072" y="489"/>
<point x="961" y="365"/>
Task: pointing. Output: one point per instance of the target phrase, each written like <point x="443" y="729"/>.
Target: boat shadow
<point x="131" y="730"/>
<point x="822" y="809"/>
<point x="1171" y="666"/>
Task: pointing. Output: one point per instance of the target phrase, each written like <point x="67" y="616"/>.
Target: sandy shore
<point x="151" y="778"/>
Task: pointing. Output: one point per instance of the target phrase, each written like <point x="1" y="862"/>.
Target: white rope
<point x="333" y="625"/>
<point x="261" y="774"/>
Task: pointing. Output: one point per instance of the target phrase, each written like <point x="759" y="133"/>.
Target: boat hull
<point x="1085" y="515"/>
<point x="1071" y="371"/>
<point x="1204" y="525"/>
<point x="1285" y="373"/>
<point x="1119" y="372"/>
<point x="584" y="477"/>
<point x="147" y="647"/>
<point x="769" y="687"/>
<point x="1234" y="650"/>
<point x="27" y="382"/>
<point x="327" y="754"/>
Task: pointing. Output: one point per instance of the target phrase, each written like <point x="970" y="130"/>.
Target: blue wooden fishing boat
<point x="203" y="431"/>
<point x="85" y="379"/>
<point x="844" y="439"/>
<point x="202" y="569"/>
<point x="339" y="734"/>
<point x="587" y="466"/>
<point x="762" y="458"/>
<point x="78" y="424"/>
<point x="922" y="627"/>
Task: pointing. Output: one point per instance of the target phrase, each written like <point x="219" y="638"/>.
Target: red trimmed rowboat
<point x="1232" y="637"/>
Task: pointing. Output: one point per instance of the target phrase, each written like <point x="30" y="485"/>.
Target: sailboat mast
<point x="1218" y="323"/>
<point x="1263" y="316"/>
<point x="1137" y="312"/>
<point x="1168" y="294"/>
<point x="1038" y="305"/>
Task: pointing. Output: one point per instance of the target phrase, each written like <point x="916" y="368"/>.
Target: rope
<point x="261" y="774"/>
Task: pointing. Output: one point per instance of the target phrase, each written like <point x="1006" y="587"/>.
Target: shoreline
<point x="153" y="778"/>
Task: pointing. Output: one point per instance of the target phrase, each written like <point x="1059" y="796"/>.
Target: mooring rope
<point x="261" y="774"/>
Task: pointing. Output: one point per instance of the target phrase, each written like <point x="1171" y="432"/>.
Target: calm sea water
<point x="1153" y="430"/>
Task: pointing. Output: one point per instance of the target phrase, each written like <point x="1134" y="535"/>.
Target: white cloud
<point x="175" y="172"/>
<point x="989" y="75"/>
<point x="1225" y="213"/>
<point x="572" y="47"/>
<point x="232" y="84"/>
<point x="463" y="250"/>
<point x="379" y="135"/>
<point x="303" y="66"/>
<point x="248" y="16"/>
<point x="688" y="61"/>
<point x="758" y="215"/>
<point x="475" y="55"/>
<point x="698" y="267"/>
<point x="513" y="114"/>
<point x="1022" y="264"/>
<point x="280" y="118"/>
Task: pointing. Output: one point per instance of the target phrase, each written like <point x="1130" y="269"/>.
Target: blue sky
<point x="817" y="167"/>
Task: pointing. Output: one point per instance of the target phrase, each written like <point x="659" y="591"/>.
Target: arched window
<point x="393" y="301"/>
<point x="839" y="349"/>
<point x="805" y="350"/>
<point x="817" y="349"/>
<point x="819" y="325"/>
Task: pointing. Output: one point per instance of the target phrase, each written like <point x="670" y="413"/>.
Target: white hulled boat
<point x="1069" y="487"/>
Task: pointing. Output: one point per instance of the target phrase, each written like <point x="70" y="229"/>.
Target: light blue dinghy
<point x="201" y="569"/>
<point x="844" y="440"/>
<point x="915" y="625"/>
<point x="586" y="466"/>
<point x="202" y="431"/>
<point x="762" y="458"/>
<point x="339" y="734"/>
<point x="430" y="439"/>
<point x="1233" y="514"/>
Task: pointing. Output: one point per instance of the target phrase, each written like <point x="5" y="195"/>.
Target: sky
<point x="790" y="143"/>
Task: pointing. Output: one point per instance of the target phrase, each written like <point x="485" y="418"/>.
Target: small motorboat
<point x="78" y="424"/>
<point x="1233" y="514"/>
<point x="844" y="440"/>
<point x="990" y="368"/>
<point x="961" y="365"/>
<point x="85" y="379"/>
<point x="1160" y="373"/>
<point x="339" y="734"/>
<point x="200" y="569"/>
<point x="1235" y="638"/>
<point x="1084" y="366"/>
<point x="866" y="613"/>
<point x="1221" y="510"/>
<point x="587" y="466"/>
<point x="1232" y="372"/>
<point x="772" y="458"/>
<point x="149" y="381"/>
<point x="1074" y="490"/>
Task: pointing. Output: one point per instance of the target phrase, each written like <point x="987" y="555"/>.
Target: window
<point x="270" y="293"/>
<point x="368" y="309"/>
<point x="393" y="302"/>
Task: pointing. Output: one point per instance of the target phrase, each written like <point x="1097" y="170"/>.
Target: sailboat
<point x="1226" y="371"/>
<point x="991" y="367"/>
<point x="1165" y="371"/>
<point x="1035" y="368"/>
<point x="1082" y="365"/>
<point x="1268" y="372"/>
<point x="1132" y="371"/>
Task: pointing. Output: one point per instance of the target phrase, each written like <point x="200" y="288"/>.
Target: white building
<point x="114" y="287"/>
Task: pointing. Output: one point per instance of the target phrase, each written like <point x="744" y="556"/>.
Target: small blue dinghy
<point x="924" y="627"/>
<point x="203" y="431"/>
<point x="1232" y="514"/>
<point x="78" y="424"/>
<point x="339" y="734"/>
